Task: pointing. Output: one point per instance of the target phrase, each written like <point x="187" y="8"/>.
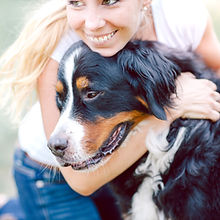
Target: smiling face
<point x="105" y="25"/>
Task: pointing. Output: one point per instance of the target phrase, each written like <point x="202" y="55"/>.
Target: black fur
<point x="192" y="184"/>
<point x="148" y="70"/>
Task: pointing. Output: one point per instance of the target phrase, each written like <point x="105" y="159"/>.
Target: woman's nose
<point x="94" y="20"/>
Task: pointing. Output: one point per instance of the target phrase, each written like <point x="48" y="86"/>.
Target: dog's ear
<point x="150" y="74"/>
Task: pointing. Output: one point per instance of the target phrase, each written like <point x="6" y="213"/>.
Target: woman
<point x="105" y="26"/>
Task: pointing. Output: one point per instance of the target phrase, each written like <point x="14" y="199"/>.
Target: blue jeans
<point x="45" y="195"/>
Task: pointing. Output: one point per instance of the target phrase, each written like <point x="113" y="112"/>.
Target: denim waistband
<point x="29" y="167"/>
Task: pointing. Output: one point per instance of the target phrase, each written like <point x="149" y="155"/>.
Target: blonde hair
<point x="26" y="58"/>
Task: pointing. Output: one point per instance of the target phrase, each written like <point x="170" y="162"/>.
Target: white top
<point x="178" y="23"/>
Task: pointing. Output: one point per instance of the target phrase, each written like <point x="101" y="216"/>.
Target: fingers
<point x="214" y="102"/>
<point x="215" y="116"/>
<point x="209" y="84"/>
<point x="216" y="96"/>
<point x="210" y="108"/>
<point x="184" y="77"/>
<point x="187" y="74"/>
<point x="196" y="98"/>
<point x="210" y="114"/>
<point x="215" y="107"/>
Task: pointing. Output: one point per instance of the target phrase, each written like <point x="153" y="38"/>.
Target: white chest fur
<point x="157" y="162"/>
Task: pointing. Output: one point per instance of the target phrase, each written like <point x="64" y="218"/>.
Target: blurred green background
<point x="12" y="13"/>
<point x="11" y="19"/>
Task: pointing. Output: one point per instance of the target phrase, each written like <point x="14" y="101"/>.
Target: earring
<point x="145" y="8"/>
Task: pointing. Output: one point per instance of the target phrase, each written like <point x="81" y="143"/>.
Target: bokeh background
<point x="12" y="14"/>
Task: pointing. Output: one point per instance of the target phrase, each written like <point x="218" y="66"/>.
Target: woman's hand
<point x="196" y="98"/>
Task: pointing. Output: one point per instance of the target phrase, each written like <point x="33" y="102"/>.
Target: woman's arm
<point x="87" y="182"/>
<point x="127" y="154"/>
<point x="46" y="87"/>
<point x="209" y="48"/>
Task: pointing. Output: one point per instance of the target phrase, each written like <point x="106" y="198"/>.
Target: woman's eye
<point x="109" y="2"/>
<point x="75" y="3"/>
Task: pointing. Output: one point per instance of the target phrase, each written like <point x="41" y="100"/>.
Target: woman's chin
<point x="108" y="49"/>
<point x="107" y="52"/>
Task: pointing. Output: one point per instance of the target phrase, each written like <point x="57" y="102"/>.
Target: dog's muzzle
<point x="59" y="145"/>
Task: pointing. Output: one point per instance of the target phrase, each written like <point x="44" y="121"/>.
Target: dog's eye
<point x="59" y="100"/>
<point x="91" y="95"/>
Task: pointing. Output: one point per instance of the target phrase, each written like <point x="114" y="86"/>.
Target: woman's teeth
<point x="101" y="39"/>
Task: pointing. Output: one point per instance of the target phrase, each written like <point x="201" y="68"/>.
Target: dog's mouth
<point x="116" y="138"/>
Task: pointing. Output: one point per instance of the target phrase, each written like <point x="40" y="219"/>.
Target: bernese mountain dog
<point x="102" y="99"/>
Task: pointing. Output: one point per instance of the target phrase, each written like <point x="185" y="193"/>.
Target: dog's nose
<point x="58" y="146"/>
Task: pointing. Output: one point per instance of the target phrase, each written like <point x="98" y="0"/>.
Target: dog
<point x="103" y="99"/>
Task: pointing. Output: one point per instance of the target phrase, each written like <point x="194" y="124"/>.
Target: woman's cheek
<point x="73" y="19"/>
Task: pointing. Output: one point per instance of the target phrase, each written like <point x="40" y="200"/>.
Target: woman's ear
<point x="151" y="75"/>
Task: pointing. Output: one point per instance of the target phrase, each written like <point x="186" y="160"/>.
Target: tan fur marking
<point x="59" y="87"/>
<point x="82" y="82"/>
<point x="97" y="133"/>
<point x="142" y="101"/>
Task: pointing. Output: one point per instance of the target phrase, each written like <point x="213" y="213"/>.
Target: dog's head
<point x="101" y="99"/>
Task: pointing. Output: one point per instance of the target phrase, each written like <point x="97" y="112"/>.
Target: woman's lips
<point x="101" y="38"/>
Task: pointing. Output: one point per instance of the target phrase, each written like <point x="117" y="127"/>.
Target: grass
<point x="12" y="13"/>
